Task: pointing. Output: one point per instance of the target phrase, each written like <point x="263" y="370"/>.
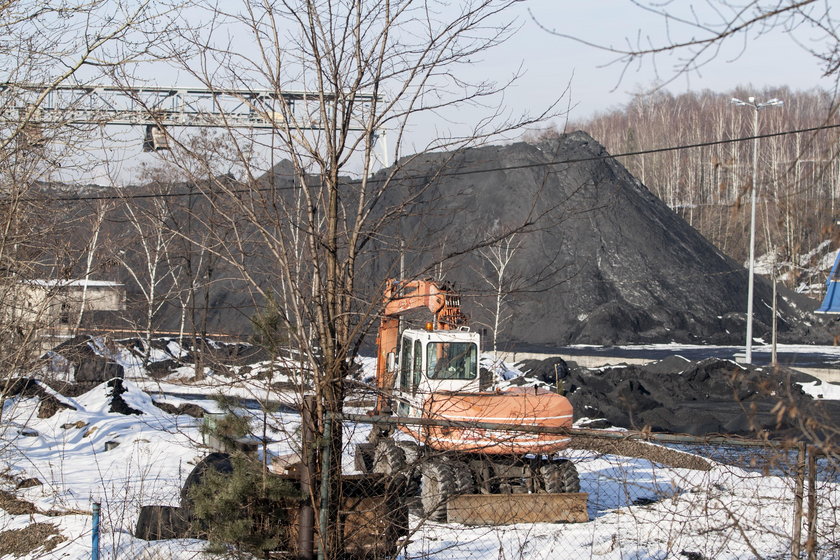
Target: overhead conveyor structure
<point x="161" y="107"/>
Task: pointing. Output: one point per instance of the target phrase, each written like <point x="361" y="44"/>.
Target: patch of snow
<point x="822" y="390"/>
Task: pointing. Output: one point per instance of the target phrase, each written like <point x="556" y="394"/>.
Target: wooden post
<point x="306" y="534"/>
<point x="796" y="545"/>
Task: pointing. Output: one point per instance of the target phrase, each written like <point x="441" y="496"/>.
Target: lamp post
<point x="756" y="106"/>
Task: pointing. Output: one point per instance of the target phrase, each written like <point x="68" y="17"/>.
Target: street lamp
<point x="751" y="102"/>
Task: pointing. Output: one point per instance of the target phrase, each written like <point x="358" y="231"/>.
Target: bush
<point x="247" y="508"/>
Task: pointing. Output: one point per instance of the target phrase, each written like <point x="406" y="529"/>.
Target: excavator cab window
<point x="451" y="360"/>
<point x="405" y="364"/>
<point x="418" y="366"/>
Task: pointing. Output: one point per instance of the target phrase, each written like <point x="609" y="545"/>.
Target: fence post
<point x="811" y="543"/>
<point x="799" y="492"/>
<point x="94" y="555"/>
<point x="306" y="530"/>
<point x="325" y="487"/>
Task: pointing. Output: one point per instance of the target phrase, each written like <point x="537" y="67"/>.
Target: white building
<point x="58" y="308"/>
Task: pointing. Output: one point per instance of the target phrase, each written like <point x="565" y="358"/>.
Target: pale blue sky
<point x="772" y="59"/>
<point x="552" y="63"/>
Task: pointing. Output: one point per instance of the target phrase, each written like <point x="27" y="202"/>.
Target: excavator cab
<point x="434" y="361"/>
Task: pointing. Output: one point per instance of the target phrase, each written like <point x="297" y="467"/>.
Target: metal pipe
<point x="306" y="530"/>
<point x="811" y="542"/>
<point x="751" y="286"/>
<point x="773" y="354"/>
<point x="799" y="491"/>
<point x="94" y="555"/>
<point x="325" y="486"/>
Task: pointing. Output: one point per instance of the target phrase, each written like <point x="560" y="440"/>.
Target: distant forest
<point x="798" y="174"/>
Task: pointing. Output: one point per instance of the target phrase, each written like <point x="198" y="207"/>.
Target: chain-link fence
<point x="608" y="494"/>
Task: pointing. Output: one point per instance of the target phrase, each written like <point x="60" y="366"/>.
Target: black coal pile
<point x="679" y="396"/>
<point x="597" y="259"/>
<point x="118" y="404"/>
<point x="594" y="257"/>
<point x="29" y="387"/>
<point x="77" y="365"/>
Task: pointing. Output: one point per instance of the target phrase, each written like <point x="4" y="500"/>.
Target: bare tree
<point x="49" y="44"/>
<point x="150" y="272"/>
<point x="100" y="212"/>
<point x="370" y="66"/>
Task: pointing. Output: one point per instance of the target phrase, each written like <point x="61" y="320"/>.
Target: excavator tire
<point x="389" y="458"/>
<point x="411" y="450"/>
<point x="412" y="470"/>
<point x="438" y="484"/>
<point x="463" y="477"/>
<point x="560" y="477"/>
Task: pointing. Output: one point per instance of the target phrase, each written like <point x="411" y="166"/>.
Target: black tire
<point x="560" y="477"/>
<point x="463" y="477"/>
<point x="438" y="485"/>
<point x="389" y="458"/>
<point x="411" y="450"/>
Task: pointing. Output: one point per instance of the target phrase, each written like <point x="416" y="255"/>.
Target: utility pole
<point x="756" y="106"/>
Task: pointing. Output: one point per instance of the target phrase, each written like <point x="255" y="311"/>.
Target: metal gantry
<point x="40" y="105"/>
<point x="171" y="106"/>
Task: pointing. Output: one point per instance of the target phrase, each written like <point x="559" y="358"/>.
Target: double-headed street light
<point x="751" y="102"/>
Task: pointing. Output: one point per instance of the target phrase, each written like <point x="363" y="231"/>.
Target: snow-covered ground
<point x="638" y="509"/>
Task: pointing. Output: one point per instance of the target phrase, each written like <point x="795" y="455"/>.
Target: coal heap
<point x="595" y="257"/>
<point x="599" y="259"/>
<point x="676" y="395"/>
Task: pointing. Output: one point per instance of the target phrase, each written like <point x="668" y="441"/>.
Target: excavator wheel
<point x="412" y="470"/>
<point x="411" y="450"/>
<point x="438" y="484"/>
<point x="389" y="458"/>
<point x="463" y="477"/>
<point x="560" y="477"/>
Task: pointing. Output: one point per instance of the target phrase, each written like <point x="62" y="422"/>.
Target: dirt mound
<point x="188" y="409"/>
<point x="81" y="366"/>
<point x="676" y="395"/>
<point x="179" y="352"/>
<point x="34" y="537"/>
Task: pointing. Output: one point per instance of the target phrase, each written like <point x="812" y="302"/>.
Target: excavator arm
<point x="400" y="298"/>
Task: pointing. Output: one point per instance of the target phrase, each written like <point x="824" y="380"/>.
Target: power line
<point x="454" y="173"/>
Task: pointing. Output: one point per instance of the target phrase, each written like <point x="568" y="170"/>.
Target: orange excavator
<point x="433" y="373"/>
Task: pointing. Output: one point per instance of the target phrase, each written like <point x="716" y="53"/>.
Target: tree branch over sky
<point x="691" y="35"/>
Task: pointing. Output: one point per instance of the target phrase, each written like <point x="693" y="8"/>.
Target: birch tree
<point x="499" y="257"/>
<point x="150" y="272"/>
<point x="49" y="44"/>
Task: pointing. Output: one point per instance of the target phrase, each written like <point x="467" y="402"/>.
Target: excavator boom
<point x="400" y="298"/>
